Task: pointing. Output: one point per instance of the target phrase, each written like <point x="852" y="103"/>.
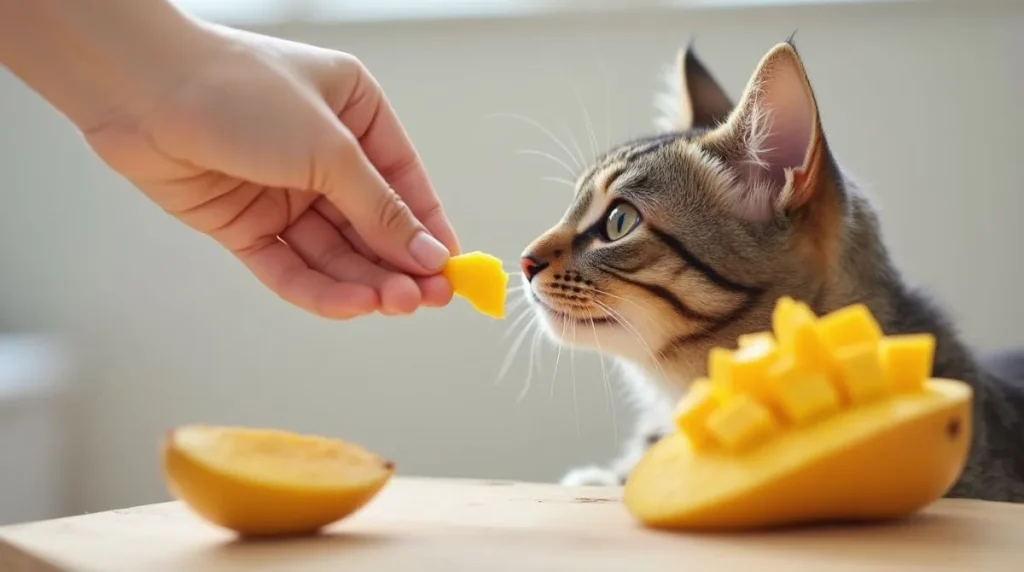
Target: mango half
<point x="266" y="482"/>
<point x="822" y="420"/>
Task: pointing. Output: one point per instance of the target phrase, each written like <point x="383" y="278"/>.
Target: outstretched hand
<point x="290" y="157"/>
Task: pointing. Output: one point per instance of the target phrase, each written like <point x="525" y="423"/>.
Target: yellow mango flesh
<point x="264" y="482"/>
<point x="821" y="419"/>
<point x="481" y="279"/>
<point x="884" y="460"/>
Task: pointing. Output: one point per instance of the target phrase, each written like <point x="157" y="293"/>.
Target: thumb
<point x="377" y="213"/>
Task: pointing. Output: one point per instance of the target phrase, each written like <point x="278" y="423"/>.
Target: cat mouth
<point x="565" y="316"/>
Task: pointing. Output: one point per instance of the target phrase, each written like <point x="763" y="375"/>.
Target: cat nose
<point x="531" y="267"/>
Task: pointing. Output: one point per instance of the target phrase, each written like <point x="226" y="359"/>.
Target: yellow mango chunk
<point x="750" y="364"/>
<point x="692" y="413"/>
<point x="788" y="317"/>
<point x="907" y="360"/>
<point x="741" y="423"/>
<point x="481" y="279"/>
<point x="860" y="373"/>
<point x="263" y="482"/>
<point x="799" y="395"/>
<point x="849" y="326"/>
<point x="808" y="349"/>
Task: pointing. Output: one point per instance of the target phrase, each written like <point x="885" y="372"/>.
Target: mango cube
<point x="860" y="373"/>
<point x="799" y="395"/>
<point x="741" y="423"/>
<point x="750" y="363"/>
<point x="907" y="360"/>
<point x="692" y="413"/>
<point x="852" y="325"/>
<point x="788" y="317"/>
<point x="808" y="349"/>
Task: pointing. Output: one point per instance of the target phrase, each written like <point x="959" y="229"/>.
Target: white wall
<point x="920" y="101"/>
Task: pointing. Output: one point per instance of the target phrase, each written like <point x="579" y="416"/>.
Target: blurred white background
<point x="153" y="325"/>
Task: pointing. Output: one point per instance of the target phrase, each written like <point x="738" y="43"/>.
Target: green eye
<point x="621" y="221"/>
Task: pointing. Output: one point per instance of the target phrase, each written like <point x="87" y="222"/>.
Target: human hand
<point x="290" y="157"/>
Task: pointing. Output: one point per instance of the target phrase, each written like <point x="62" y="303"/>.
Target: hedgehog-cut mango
<point x="481" y="280"/>
<point x="822" y="419"/>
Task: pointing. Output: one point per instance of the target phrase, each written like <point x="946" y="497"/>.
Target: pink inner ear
<point x="789" y="112"/>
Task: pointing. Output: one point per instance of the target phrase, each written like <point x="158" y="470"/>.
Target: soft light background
<point x="151" y="325"/>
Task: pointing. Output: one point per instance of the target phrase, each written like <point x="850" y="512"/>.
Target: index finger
<point x="368" y="115"/>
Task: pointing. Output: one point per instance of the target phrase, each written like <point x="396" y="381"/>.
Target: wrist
<point x="96" y="60"/>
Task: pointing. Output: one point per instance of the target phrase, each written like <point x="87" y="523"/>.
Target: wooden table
<point x="446" y="525"/>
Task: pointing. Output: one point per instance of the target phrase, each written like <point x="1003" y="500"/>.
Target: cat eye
<point x="622" y="219"/>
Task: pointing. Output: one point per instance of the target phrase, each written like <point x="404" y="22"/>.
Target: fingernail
<point x="430" y="253"/>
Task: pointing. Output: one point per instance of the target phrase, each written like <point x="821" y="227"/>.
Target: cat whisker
<point x="572" y="369"/>
<point x="617" y="297"/>
<point x="632" y="329"/>
<point x="588" y="123"/>
<point x="570" y="184"/>
<point x="510" y="356"/>
<point x="522" y="315"/>
<point x="544" y="130"/>
<point x="547" y="155"/>
<point x="604" y="377"/>
<point x="534" y="344"/>
<point x="558" y="356"/>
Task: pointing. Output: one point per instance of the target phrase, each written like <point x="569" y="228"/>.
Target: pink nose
<point x="531" y="267"/>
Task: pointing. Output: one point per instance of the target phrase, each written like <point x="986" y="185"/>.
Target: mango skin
<point x="254" y="507"/>
<point x="880" y="461"/>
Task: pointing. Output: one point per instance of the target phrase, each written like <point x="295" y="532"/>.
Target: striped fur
<point x="737" y="205"/>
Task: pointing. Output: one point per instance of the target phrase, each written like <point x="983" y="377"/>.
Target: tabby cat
<point x="685" y="239"/>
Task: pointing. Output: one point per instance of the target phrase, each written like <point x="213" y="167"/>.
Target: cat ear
<point x="773" y="140"/>
<point x="703" y="102"/>
<point x="697" y="100"/>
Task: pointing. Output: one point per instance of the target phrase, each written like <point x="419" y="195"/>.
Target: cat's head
<point x="684" y="239"/>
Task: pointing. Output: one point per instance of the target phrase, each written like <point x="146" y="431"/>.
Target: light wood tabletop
<point x="449" y="525"/>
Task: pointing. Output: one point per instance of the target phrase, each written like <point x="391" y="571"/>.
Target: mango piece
<point x="883" y="460"/>
<point x="860" y="373"/>
<point x="741" y="423"/>
<point x="800" y="396"/>
<point x="834" y="421"/>
<point x="263" y="482"/>
<point x="692" y="413"/>
<point x="751" y="362"/>
<point x="788" y="317"/>
<point x="848" y="326"/>
<point x="481" y="279"/>
<point x="907" y="360"/>
<point x="742" y="371"/>
<point x="794" y="325"/>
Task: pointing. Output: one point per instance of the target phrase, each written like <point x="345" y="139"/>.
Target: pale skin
<point x="288" y="155"/>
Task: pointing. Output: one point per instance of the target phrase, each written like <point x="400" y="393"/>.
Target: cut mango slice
<point x="481" y="279"/>
<point x="264" y="482"/>
<point x="827" y="419"/>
